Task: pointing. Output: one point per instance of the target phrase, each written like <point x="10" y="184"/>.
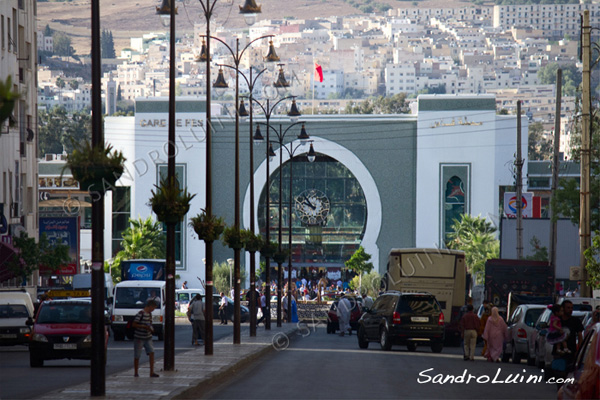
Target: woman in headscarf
<point x="495" y="334"/>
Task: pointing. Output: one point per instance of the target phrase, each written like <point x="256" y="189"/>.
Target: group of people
<point x="564" y="331"/>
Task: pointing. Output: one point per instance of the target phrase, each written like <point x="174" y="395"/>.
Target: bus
<point x="440" y="272"/>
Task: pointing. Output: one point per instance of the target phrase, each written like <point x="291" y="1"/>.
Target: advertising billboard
<point x="143" y="270"/>
<point x="62" y="231"/>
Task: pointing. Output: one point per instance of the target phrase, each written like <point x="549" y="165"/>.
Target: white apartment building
<point x="45" y="43"/>
<point x="423" y="14"/>
<point x="553" y="20"/>
<point x="18" y="142"/>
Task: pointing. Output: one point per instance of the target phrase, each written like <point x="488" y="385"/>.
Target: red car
<point x="587" y="369"/>
<point x="62" y="329"/>
<point x="355" y="314"/>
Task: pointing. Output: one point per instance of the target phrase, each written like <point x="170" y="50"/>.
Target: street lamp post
<point x="98" y="369"/>
<point x="168" y="12"/>
<point x="303" y="137"/>
<point x="249" y="9"/>
<point x="268" y="111"/>
<point x="221" y="84"/>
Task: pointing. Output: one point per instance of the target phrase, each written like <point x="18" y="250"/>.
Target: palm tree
<point x="476" y="237"/>
<point x="143" y="239"/>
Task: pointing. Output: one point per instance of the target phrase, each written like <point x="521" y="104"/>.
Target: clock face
<point x="312" y="207"/>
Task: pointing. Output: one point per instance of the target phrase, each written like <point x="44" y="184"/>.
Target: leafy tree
<point x="62" y="44"/>
<point x="48" y="31"/>
<point x="107" y="44"/>
<point x="60" y="82"/>
<point x="143" y="239"/>
<point x="592" y="255"/>
<point x="439" y="89"/>
<point x="7" y="99"/>
<point x="74" y="84"/>
<point x="475" y="236"/>
<point x="571" y="77"/>
<point x="371" y="284"/>
<point x="359" y="264"/>
<point x="395" y="104"/>
<point x="540" y="253"/>
<point x="32" y="254"/>
<point x="58" y="130"/>
<point x="221" y="277"/>
<point x="567" y="198"/>
<point x="539" y="147"/>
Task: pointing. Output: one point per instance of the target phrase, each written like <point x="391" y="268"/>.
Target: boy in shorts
<point x="142" y="336"/>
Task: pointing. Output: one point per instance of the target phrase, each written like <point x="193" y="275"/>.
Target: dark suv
<point x="403" y="318"/>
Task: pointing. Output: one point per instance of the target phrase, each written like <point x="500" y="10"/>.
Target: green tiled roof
<point x="153" y="106"/>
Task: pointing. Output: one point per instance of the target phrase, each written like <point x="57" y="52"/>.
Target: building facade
<point x="18" y="136"/>
<point x="378" y="181"/>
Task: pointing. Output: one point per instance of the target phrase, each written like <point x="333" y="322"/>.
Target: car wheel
<point x="119" y="336"/>
<point x="505" y="357"/>
<point x="437" y="347"/>
<point x="129" y="335"/>
<point x="161" y="336"/>
<point x="35" y="362"/>
<point x="515" y="356"/>
<point x="411" y="346"/>
<point x="329" y="331"/>
<point x="384" y="339"/>
<point x="363" y="343"/>
<point x="538" y="361"/>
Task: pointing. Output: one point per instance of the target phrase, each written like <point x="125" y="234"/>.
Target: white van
<point x="16" y="307"/>
<point x="129" y="298"/>
<point x="184" y="296"/>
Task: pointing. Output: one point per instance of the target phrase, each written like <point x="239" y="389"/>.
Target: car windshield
<point x="418" y="305"/>
<point x="76" y="313"/>
<point x="582" y="307"/>
<point x="13" y="311"/>
<point x="135" y="297"/>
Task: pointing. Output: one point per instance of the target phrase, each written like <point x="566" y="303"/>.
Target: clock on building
<point x="312" y="207"/>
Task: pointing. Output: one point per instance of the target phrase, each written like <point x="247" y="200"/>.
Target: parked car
<point x="333" y="323"/>
<point x="521" y="326"/>
<point x="16" y="307"/>
<point x="404" y="319"/>
<point x="542" y="351"/>
<point x="587" y="369"/>
<point x="63" y="329"/>
<point x="244" y="311"/>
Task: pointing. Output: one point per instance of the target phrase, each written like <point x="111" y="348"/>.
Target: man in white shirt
<point x="223" y="309"/>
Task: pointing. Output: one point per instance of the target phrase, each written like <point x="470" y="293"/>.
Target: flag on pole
<point x="318" y="73"/>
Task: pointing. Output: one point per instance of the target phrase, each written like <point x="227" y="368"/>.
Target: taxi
<point x="62" y="329"/>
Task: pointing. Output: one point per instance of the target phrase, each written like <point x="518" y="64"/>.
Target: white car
<point x="521" y="326"/>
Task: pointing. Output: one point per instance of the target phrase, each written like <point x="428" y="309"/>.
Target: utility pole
<point x="584" y="187"/>
<point x="98" y="369"/>
<point x="555" y="169"/>
<point x="519" y="165"/>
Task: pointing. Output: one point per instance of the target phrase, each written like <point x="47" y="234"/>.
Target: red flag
<point x="318" y="73"/>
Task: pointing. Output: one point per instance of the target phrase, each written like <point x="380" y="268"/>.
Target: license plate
<point x="419" y="319"/>
<point x="8" y="336"/>
<point x="65" y="346"/>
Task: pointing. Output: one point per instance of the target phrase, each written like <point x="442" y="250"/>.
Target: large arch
<point x="353" y="163"/>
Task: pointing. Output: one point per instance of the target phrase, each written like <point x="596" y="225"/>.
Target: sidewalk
<point x="192" y="368"/>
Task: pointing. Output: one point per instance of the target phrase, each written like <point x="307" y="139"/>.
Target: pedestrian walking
<point x="343" y="313"/>
<point x="142" y="337"/>
<point x="197" y="312"/>
<point x="223" y="309"/>
<point x="495" y="333"/>
<point x="263" y="308"/>
<point x="487" y="311"/>
<point x="469" y="328"/>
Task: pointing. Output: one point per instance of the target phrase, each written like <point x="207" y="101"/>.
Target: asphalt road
<point x="325" y="366"/>
<point x="19" y="381"/>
